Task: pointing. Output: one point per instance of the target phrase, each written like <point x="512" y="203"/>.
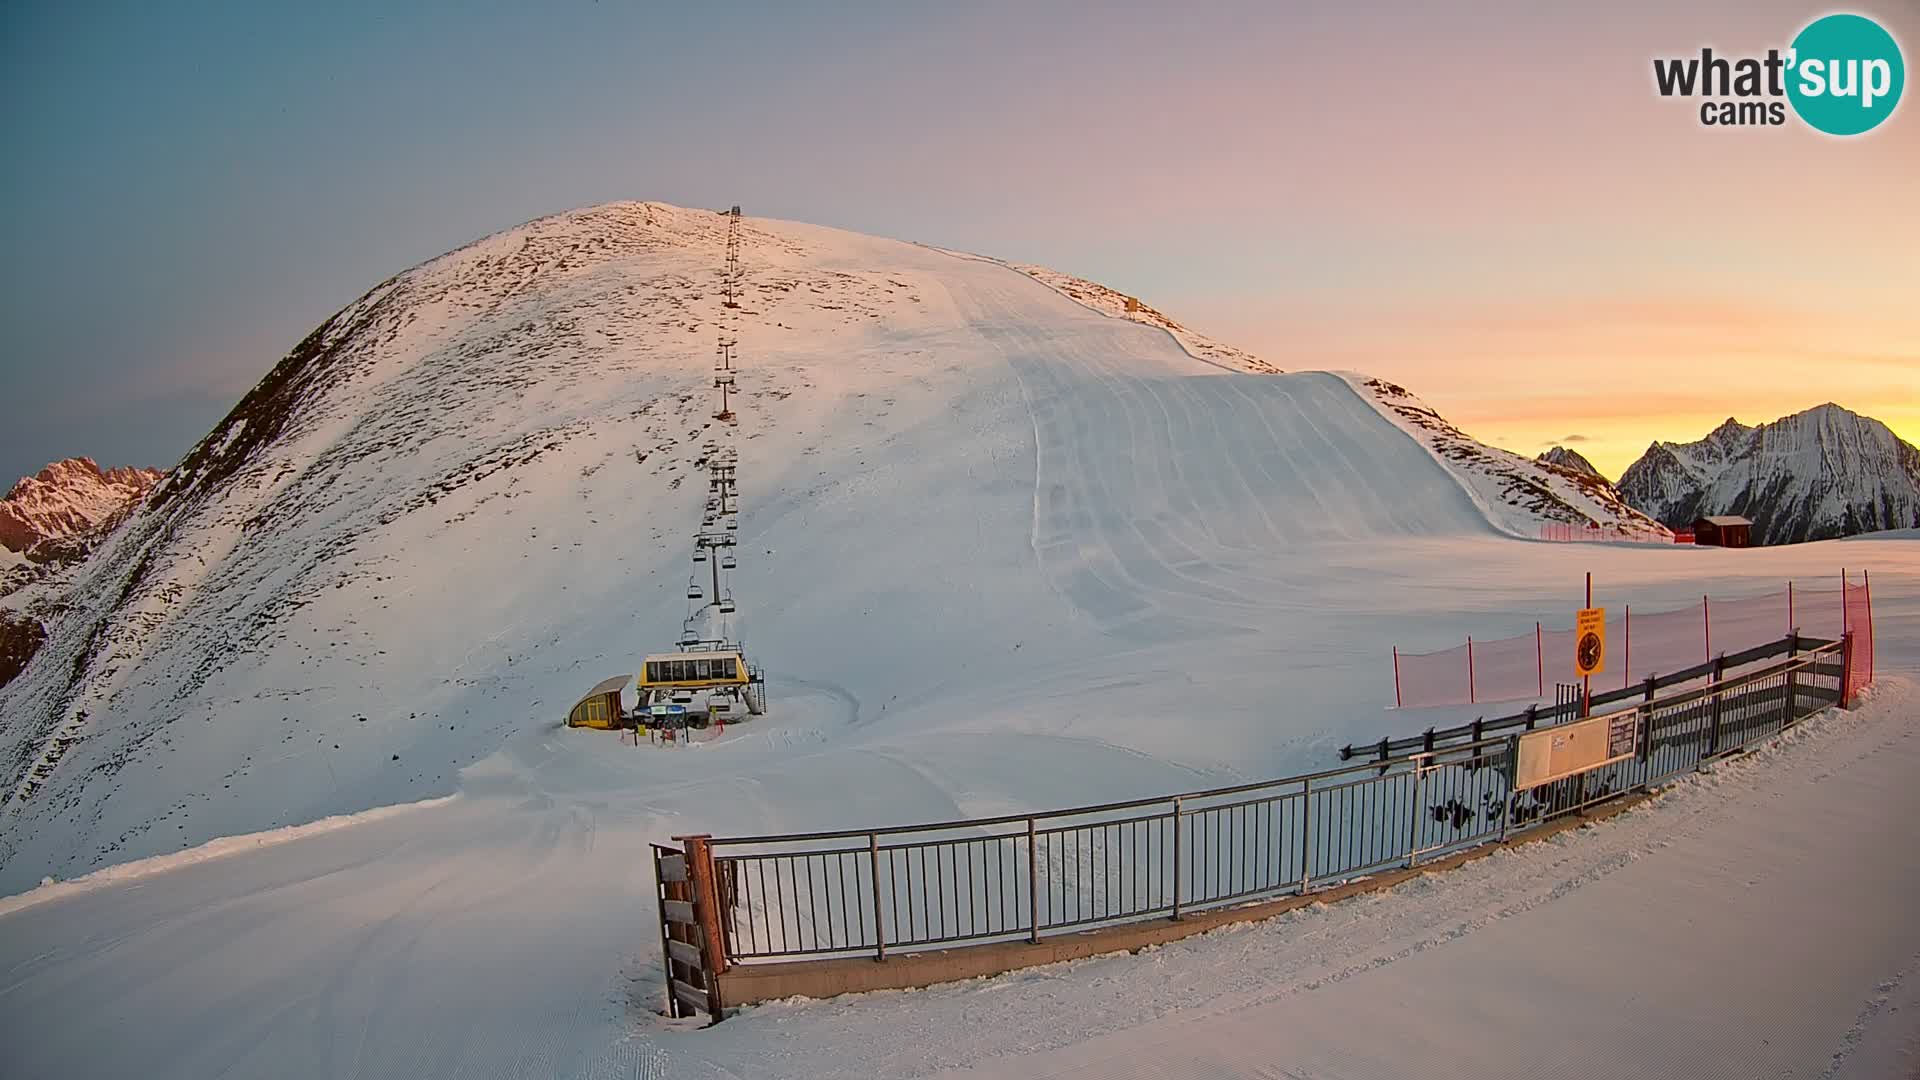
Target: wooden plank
<point x="695" y="999"/>
<point x="679" y="911"/>
<point x="686" y="953"/>
<point x="673" y="868"/>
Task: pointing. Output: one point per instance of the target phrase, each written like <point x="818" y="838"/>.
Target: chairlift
<point x="726" y="604"/>
<point x="727" y="563"/>
<point x="688" y="637"/>
<point x="733" y="523"/>
<point x="693" y="590"/>
<point x="699" y="554"/>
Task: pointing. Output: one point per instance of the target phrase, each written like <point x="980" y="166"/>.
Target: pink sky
<point x="1486" y="202"/>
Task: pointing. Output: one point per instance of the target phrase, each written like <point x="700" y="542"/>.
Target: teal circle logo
<point x="1845" y="74"/>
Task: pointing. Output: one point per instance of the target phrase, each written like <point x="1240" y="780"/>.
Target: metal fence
<point x="1016" y="877"/>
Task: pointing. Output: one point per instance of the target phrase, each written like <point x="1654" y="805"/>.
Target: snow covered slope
<point x="470" y="495"/>
<point x="68" y="498"/>
<point x="1815" y="475"/>
<point x="1516" y="494"/>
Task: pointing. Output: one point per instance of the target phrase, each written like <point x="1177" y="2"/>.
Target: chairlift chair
<point x="689" y="637"/>
<point x="733" y="523"/>
<point x="693" y="590"/>
<point x="700" y="554"/>
<point x="726" y="604"/>
<point x="727" y="563"/>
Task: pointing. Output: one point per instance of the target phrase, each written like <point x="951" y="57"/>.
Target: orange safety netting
<point x="1639" y="645"/>
<point x="1859" y="622"/>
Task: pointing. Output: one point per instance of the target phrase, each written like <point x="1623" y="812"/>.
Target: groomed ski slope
<point x="970" y="504"/>
<point x="999" y="552"/>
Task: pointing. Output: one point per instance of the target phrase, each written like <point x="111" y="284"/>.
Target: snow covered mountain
<point x="1517" y="494"/>
<point x="1569" y="459"/>
<point x="974" y="501"/>
<point x="68" y="498"/>
<point x="1817" y="474"/>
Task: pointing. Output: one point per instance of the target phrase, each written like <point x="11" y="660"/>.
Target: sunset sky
<point x="1490" y="205"/>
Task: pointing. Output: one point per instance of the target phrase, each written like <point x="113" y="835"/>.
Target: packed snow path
<point x="1753" y="922"/>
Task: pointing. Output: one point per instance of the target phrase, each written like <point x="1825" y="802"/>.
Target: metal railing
<point x="1534" y="716"/>
<point x="1023" y="876"/>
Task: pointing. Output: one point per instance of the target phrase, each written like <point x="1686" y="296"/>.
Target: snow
<point x="1517" y="495"/>
<point x="1819" y="473"/>
<point x="998" y="551"/>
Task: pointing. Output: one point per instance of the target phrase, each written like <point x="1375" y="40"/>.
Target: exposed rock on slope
<point x="1516" y="494"/>
<point x="1572" y="460"/>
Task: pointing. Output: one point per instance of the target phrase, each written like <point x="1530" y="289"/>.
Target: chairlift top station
<point x="706" y="678"/>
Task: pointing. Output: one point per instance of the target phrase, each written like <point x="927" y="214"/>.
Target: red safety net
<point x="1639" y="644"/>
<point x="1596" y="533"/>
<point x="1859" y="622"/>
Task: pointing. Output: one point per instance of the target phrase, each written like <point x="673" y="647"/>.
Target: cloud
<point x="1575" y="438"/>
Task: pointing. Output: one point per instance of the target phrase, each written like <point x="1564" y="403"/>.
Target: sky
<point x="1489" y="204"/>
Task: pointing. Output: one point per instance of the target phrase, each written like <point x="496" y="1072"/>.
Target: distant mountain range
<point x="67" y="499"/>
<point x="1815" y="475"/>
<point x="1569" y="459"/>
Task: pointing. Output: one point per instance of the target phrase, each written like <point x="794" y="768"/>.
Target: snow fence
<point x="1640" y="644"/>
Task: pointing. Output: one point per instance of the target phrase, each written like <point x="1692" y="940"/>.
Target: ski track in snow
<point x="999" y="551"/>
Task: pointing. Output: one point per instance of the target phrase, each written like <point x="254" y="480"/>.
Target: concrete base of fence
<point x="748" y="983"/>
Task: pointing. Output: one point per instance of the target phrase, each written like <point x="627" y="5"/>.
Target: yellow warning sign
<point x="1590" y="641"/>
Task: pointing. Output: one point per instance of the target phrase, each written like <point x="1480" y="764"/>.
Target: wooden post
<point x="674" y="1008"/>
<point x="1472" y="696"/>
<point x="1626" y="669"/>
<point x="1539" y="663"/>
<point x="1396" y="677"/>
<point x="706" y="899"/>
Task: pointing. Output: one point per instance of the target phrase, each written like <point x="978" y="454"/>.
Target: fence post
<point x="1413" y="826"/>
<point x="706" y="897"/>
<point x="1791" y="625"/>
<point x="1472" y="696"/>
<point x="1706" y="625"/>
<point x="1513" y="773"/>
<point x="1846" y="669"/>
<point x="1793" y="689"/>
<point x="1396" y="677"/>
<point x="1033" y="885"/>
<point x="1539" y="663"/>
<point x="879" y="927"/>
<point x="1626" y="669"/>
<point x="1866" y="584"/>
<point x="1176" y="857"/>
<point x="1713" y="733"/>
<point x="1531" y="710"/>
<point x="1306" y="832"/>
